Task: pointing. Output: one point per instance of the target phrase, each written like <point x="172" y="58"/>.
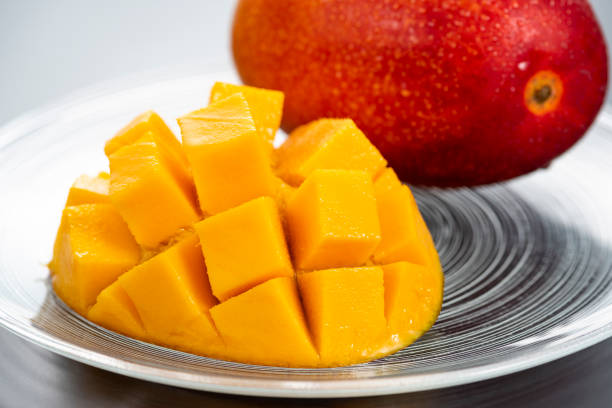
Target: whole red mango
<point x="453" y="92"/>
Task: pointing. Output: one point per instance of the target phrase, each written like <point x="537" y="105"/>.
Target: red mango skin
<point x="441" y="87"/>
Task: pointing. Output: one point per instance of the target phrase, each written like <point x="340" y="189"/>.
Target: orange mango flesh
<point x="386" y="180"/>
<point x="235" y="261"/>
<point x="402" y="239"/>
<point x="149" y="125"/>
<point x="359" y="279"/>
<point x="149" y="122"/>
<point x="284" y="193"/>
<point x="84" y="190"/>
<point x="93" y="247"/>
<point x="229" y="158"/>
<point x="333" y="220"/>
<point x="172" y="296"/>
<point x="266" y="325"/>
<point x="413" y="295"/>
<point x="115" y="311"/>
<point x="346" y="313"/>
<point x="266" y="105"/>
<point x="327" y="144"/>
<point x="89" y="190"/>
<point x="146" y="193"/>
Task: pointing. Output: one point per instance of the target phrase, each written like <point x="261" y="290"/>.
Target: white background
<point x="49" y="48"/>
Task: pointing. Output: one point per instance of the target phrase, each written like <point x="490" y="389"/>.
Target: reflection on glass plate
<point x="528" y="263"/>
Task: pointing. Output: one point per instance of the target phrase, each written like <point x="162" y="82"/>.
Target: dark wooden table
<point x="33" y="377"/>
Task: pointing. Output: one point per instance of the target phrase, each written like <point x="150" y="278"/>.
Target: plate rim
<point x="228" y="384"/>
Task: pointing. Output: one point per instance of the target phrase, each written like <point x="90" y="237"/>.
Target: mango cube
<point x="327" y="144"/>
<point x="172" y="296"/>
<point x="150" y="125"/>
<point x="149" y="122"/>
<point x="93" y="247"/>
<point x="115" y="311"/>
<point x="266" y="105"/>
<point x="413" y="295"/>
<point x="266" y="325"/>
<point x="345" y="310"/>
<point x="85" y="190"/>
<point x="244" y="246"/>
<point x="403" y="239"/>
<point x="144" y="188"/>
<point x="386" y="180"/>
<point x="333" y="220"/>
<point x="229" y="159"/>
<point x="89" y="190"/>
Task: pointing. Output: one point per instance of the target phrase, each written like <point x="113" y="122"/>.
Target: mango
<point x="333" y="220"/>
<point x="150" y="125"/>
<point x="93" y="247"/>
<point x="345" y="308"/>
<point x="311" y="255"/>
<point x="266" y="105"/>
<point x="284" y="194"/>
<point x="386" y="180"/>
<point x="89" y="190"/>
<point x="84" y="190"/>
<point x="172" y="296"/>
<point x="266" y="325"/>
<point x="229" y="158"/>
<point x="452" y="92"/>
<point x="327" y="144"/>
<point x="244" y="246"/>
<point x="144" y="188"/>
<point x="149" y="122"/>
<point x="115" y="310"/>
<point x="413" y="295"/>
<point x="403" y="239"/>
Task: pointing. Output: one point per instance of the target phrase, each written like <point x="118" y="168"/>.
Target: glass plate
<point x="528" y="263"/>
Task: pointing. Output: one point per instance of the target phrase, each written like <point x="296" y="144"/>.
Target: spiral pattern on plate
<point x="528" y="263"/>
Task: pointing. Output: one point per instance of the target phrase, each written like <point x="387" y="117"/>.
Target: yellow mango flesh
<point x="244" y="246"/>
<point x="85" y="190"/>
<point x="230" y="160"/>
<point x="385" y="181"/>
<point x="266" y="325"/>
<point x="333" y="220"/>
<point x="89" y="190"/>
<point x="172" y="296"/>
<point x="402" y="238"/>
<point x="413" y="295"/>
<point x="266" y="105"/>
<point x="149" y="197"/>
<point x="149" y="122"/>
<point x="284" y="193"/>
<point x="327" y="144"/>
<point x="115" y="311"/>
<point x="149" y="125"/>
<point x="345" y="310"/>
<point x="136" y="257"/>
<point x="93" y="247"/>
